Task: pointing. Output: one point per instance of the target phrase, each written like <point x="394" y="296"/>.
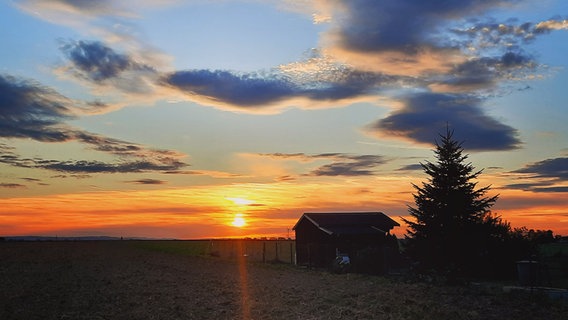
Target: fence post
<point x="263" y="251"/>
<point x="291" y="255"/>
<point x="276" y="244"/>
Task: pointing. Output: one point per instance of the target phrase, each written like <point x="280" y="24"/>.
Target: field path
<point x="120" y="280"/>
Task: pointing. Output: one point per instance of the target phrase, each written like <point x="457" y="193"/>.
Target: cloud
<point x="136" y="72"/>
<point x="125" y="148"/>
<point x="483" y="73"/>
<point x="544" y="176"/>
<point x="399" y="37"/>
<point x="269" y="90"/>
<point x="370" y="47"/>
<point x="63" y="11"/>
<point x="148" y="181"/>
<point x="326" y="76"/>
<point x="541" y="187"/>
<point x="347" y="165"/>
<point x="90" y="8"/>
<point x="449" y="53"/>
<point x="551" y="189"/>
<point x="129" y="77"/>
<point x="342" y="164"/>
<point x="387" y="25"/>
<point x="285" y="178"/>
<point x="549" y="25"/>
<point x="424" y="115"/>
<point x="317" y="79"/>
<point x="412" y="167"/>
<point x="556" y="168"/>
<point x="432" y="41"/>
<point x="226" y="87"/>
<point x="97" y="62"/>
<point x="210" y="173"/>
<point x="102" y="66"/>
<point x="84" y="166"/>
<point x="91" y="166"/>
<point x="12" y="185"/>
<point x="483" y="35"/>
<point x="29" y="110"/>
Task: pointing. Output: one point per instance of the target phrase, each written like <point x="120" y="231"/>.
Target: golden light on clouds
<point x="240" y="201"/>
<point x="428" y="60"/>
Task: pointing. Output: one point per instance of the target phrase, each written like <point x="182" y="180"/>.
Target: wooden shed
<point x="320" y="237"/>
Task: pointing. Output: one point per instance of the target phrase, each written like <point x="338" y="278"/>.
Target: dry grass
<point x="119" y="280"/>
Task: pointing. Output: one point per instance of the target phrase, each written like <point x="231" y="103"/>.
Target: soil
<point x="120" y="280"/>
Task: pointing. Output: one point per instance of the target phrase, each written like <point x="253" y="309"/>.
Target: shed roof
<point x="350" y="223"/>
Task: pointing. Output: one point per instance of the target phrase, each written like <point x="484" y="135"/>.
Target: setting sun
<point x="239" y="221"/>
<point x="322" y="122"/>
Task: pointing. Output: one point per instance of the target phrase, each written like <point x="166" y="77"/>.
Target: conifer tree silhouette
<point x="452" y="230"/>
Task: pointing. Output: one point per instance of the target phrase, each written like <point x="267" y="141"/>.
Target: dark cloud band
<point x="31" y="111"/>
<point x="556" y="168"/>
<point x="425" y="115"/>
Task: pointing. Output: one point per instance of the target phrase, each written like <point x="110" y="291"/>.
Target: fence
<point x="283" y="251"/>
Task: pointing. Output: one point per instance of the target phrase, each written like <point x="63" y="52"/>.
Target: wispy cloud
<point x="412" y="167"/>
<point x="12" y="185"/>
<point x="551" y="189"/>
<point x="342" y="164"/>
<point x="87" y="8"/>
<point x="363" y="165"/>
<point x="541" y="187"/>
<point x="556" y="168"/>
<point x="97" y="62"/>
<point x="29" y="110"/>
<point x="148" y="182"/>
<point x="210" y="173"/>
<point x="90" y="166"/>
<point x="79" y="13"/>
<point x="101" y="65"/>
<point x="543" y="176"/>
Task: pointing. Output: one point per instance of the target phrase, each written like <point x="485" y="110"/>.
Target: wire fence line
<point x="254" y="250"/>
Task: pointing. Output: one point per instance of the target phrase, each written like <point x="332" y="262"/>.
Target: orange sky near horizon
<point x="268" y="210"/>
<point x="214" y="119"/>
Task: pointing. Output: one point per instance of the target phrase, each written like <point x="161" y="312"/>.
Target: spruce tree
<point x="452" y="230"/>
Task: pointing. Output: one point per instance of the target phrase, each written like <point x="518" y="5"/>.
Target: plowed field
<point x="123" y="280"/>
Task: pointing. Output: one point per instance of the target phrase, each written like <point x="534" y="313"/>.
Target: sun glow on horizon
<point x="206" y="212"/>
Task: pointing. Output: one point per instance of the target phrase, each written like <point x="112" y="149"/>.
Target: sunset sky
<point x="202" y="118"/>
